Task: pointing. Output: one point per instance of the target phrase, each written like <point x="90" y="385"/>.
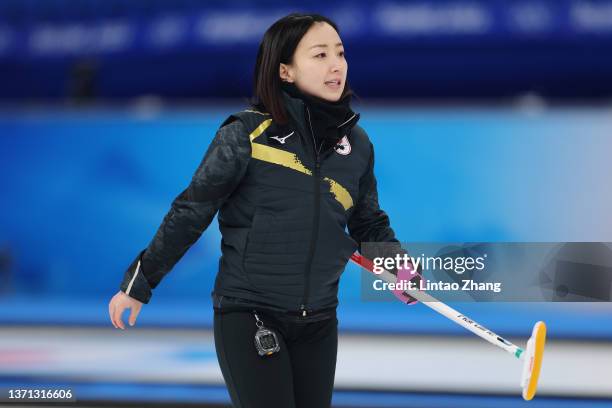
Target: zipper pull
<point x="303" y="309"/>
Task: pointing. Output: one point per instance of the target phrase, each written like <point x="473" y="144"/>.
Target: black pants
<point x="300" y="375"/>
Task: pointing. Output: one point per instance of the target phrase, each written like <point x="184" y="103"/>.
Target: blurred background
<point x="491" y="120"/>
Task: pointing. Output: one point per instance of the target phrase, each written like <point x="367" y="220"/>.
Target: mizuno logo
<point x="281" y="140"/>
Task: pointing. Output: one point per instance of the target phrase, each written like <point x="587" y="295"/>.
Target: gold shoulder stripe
<point x="277" y="156"/>
<point x="260" y="129"/>
<point x="340" y="193"/>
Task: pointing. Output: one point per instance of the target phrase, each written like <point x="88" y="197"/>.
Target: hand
<point x="118" y="304"/>
<point x="407" y="275"/>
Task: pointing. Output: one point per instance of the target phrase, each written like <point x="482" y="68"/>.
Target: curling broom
<point x="531" y="356"/>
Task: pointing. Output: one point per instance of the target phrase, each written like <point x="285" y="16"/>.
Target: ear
<point x="285" y="73"/>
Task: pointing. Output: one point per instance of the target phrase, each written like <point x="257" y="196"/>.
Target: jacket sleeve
<point x="192" y="211"/>
<point x="369" y="223"/>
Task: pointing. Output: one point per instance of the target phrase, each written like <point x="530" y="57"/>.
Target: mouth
<point x="333" y="84"/>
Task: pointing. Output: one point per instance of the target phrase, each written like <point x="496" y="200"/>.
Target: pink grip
<point x="406" y="275"/>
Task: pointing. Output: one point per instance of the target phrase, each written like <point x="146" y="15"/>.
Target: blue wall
<point x="82" y="193"/>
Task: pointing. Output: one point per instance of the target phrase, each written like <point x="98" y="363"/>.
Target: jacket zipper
<point x="317" y="210"/>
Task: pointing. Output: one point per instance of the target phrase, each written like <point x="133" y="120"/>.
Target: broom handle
<point x="445" y="310"/>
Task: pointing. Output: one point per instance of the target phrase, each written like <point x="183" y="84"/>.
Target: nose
<point x="336" y="65"/>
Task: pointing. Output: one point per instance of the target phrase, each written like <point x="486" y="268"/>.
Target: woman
<point x="287" y="176"/>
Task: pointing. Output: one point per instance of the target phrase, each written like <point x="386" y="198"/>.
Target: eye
<point x="321" y="55"/>
<point x="341" y="53"/>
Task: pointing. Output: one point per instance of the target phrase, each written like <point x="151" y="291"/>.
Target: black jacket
<point x="283" y="213"/>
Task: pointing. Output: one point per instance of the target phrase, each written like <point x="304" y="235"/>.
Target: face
<point x="318" y="67"/>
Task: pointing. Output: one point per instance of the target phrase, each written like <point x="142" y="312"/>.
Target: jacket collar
<point x="296" y="109"/>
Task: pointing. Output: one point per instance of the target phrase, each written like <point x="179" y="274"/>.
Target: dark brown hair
<point x="278" y="46"/>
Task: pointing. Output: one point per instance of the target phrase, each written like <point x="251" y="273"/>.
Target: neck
<point x="326" y="117"/>
<point x="328" y="113"/>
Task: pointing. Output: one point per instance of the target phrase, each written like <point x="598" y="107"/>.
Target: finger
<point x="117" y="317"/>
<point x="409" y="300"/>
<point x="403" y="297"/>
<point x="134" y="315"/>
<point x="111" y="310"/>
